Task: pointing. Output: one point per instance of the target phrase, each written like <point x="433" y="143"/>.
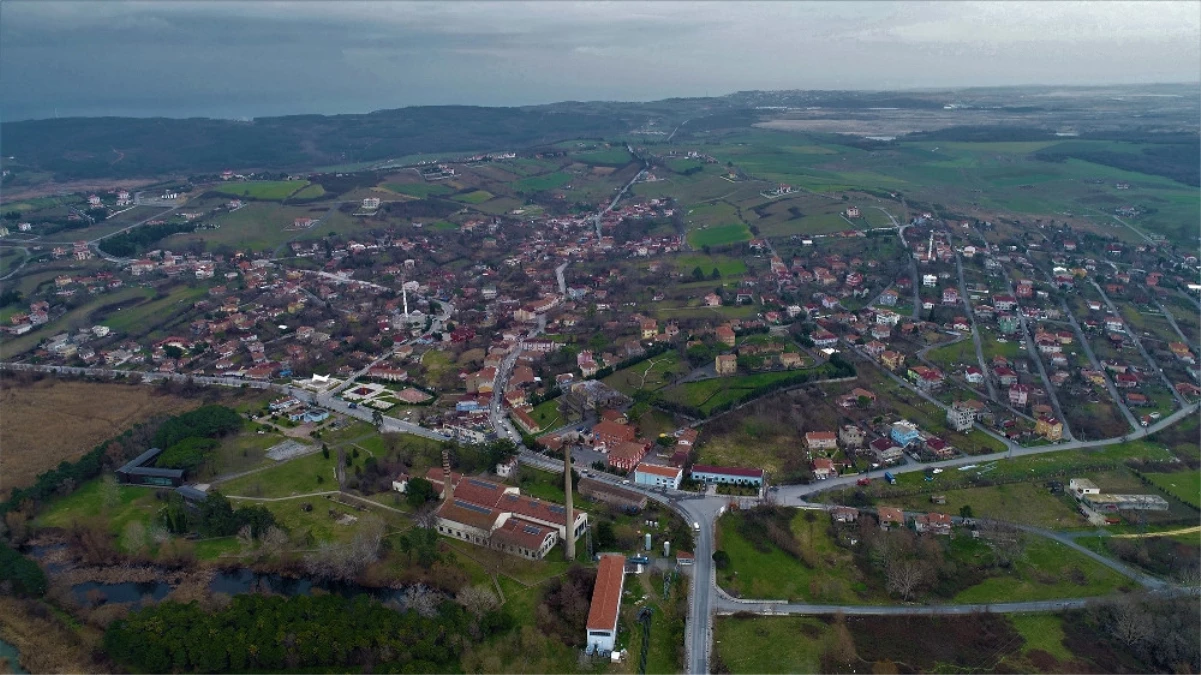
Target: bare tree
<point x="479" y="600"/>
<point x="110" y="492"/>
<point x="427" y="517"/>
<point x="1008" y="542"/>
<point x="906" y="576"/>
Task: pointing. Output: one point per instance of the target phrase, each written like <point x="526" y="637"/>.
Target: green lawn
<point x="293" y="477"/>
<point x="267" y="190"/>
<point x="1043" y="632"/>
<point x="146" y="316"/>
<point x="727" y="266"/>
<point x="134" y="503"/>
<point x="721" y="235"/>
<point x="547" y="414"/>
<point x="829" y="577"/>
<point x="650" y="375"/>
<point x="548" y="181"/>
<point x="607" y="157"/>
<point x="1028" y="503"/>
<point x="782" y="644"/>
<point x="475" y="197"/>
<point x="1183" y="485"/>
<point x="311" y="191"/>
<point x="1043" y="574"/>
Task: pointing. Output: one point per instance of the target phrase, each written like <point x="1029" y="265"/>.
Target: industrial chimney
<point x="448" y="488"/>
<point x="570" y="539"/>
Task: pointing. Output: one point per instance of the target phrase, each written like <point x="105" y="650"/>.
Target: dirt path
<point x="1168" y="533"/>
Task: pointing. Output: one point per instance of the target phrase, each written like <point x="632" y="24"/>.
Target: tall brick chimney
<point x="448" y="488"/>
<point x="569" y="544"/>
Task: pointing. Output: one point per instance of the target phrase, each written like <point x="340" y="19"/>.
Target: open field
<point x="1048" y="570"/>
<point x="548" y="181"/>
<point x="785" y="644"/>
<point x="547" y="414"/>
<point x="1027" y="503"/>
<point x="310" y="473"/>
<point x="727" y="266"/>
<point x="650" y="375"/>
<point x="74" y="319"/>
<point x="1183" y="485"/>
<point x="81" y="414"/>
<point x="475" y="197"/>
<point x="419" y="190"/>
<point x="266" y="190"/>
<point x="706" y="395"/>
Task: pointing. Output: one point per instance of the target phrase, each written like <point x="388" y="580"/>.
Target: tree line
<point x="130" y="243"/>
<point x="258" y="633"/>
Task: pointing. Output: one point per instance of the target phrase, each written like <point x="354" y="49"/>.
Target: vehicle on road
<point x="892" y="480"/>
<point x="864" y="481"/>
<point x="353" y="406"/>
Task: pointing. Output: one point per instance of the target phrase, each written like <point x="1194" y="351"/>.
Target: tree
<point x="715" y="274"/>
<point x="698" y="274"/>
<point x="965" y="511"/>
<point x="478" y="600"/>
<point x="721" y="559"/>
<point x="418" y="491"/>
<point x="906" y="576"/>
<point x="377" y="418"/>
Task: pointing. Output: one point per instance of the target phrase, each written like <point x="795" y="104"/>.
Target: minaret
<point x="404" y="292"/>
<point x="448" y="487"/>
<point x="569" y="542"/>
<point x="930" y="248"/>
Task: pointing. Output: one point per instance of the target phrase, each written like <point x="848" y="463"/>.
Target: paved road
<point x="561" y="279"/>
<point x="1032" y="350"/>
<point x="971" y="317"/>
<point x="1133" y="334"/>
<point x="1096" y="365"/>
<point x="1172" y="320"/>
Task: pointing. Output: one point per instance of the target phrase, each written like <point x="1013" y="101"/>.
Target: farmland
<point x="721" y="235"/>
<point x="419" y="190"/>
<point x="81" y="414"/>
<point x="474" y="197"/>
<point x="265" y="190"/>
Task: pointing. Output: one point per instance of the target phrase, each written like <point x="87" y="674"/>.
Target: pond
<point x="9" y="659"/>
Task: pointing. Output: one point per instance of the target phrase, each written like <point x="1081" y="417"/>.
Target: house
<point x="606" y="604"/>
<point x="950" y="296"/>
<point x="851" y="436"/>
<point x="934" y="523"/>
<point x="821" y="440"/>
<point x="886" y="451"/>
<point x="1049" y="428"/>
<point x="824" y="338"/>
<point x="961" y="417"/>
<point x="892" y="360"/>
<point x="654" y="475"/>
<point x="1019" y="395"/>
<point x="713" y="300"/>
<point x="973" y="375"/>
<point x="926" y="378"/>
<point x="889" y="298"/>
<point x="625" y="456"/>
<point x="890" y="517"/>
<point x="608" y="434"/>
<point x="823" y="468"/>
<point x="844" y="514"/>
<point x="731" y="475"/>
<point x="725" y="335"/>
<point x="726" y="364"/>
<point x="1083" y="486"/>
<point x="904" y="432"/>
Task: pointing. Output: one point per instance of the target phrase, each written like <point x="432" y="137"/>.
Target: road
<point x="673" y="131"/>
<point x="1142" y="350"/>
<point x="971" y="317"/>
<point x="613" y="204"/>
<point x="561" y="278"/>
<point x="24" y="252"/>
<point x="1096" y="365"/>
<point x="913" y="276"/>
<point x="1172" y="320"/>
<point x="1032" y="351"/>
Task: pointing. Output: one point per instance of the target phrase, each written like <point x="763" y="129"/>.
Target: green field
<point x="293" y="477"/>
<point x="706" y="395"/>
<point x="75" y="319"/>
<point x="650" y="375"/>
<point x="547" y="414"/>
<point x="827" y="575"/>
<point x="721" y="235"/>
<point x="146" y="316"/>
<point x="419" y="190"/>
<point x="266" y="190"/>
<point x="549" y="181"/>
<point x="727" y="266"/>
<point x="783" y="644"/>
<point x="609" y="157"/>
<point x="475" y="197"/>
<point x="1027" y="503"/>
<point x="1044" y="573"/>
<point x="1183" y="485"/>
<point x="311" y="191"/>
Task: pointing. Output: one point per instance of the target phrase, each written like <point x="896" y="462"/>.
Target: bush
<point x="22" y="574"/>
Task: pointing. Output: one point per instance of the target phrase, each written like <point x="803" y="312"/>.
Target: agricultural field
<point x="265" y="190"/>
<point x="419" y="190"/>
<point x="75" y="319"/>
<point x="1027" y="503"/>
<point x="706" y="395"/>
<point x="721" y="235"/>
<point x="548" y="181"/>
<point x="727" y="266"/>
<point x="81" y="414"/>
<point x="1183" y="485"/>
<point x="474" y="197"/>
<point x="604" y="157"/>
<point x="650" y="375"/>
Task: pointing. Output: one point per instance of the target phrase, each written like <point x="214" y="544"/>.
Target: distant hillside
<point x="113" y="147"/>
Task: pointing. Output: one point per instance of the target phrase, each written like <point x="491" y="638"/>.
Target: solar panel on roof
<point x="530" y="529"/>
<point x="481" y="484"/>
<point x="472" y="507"/>
<point x="557" y="509"/>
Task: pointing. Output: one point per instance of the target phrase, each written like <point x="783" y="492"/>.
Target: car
<point x="353" y="406"/>
<point x="937" y="471"/>
<point x="626" y="481"/>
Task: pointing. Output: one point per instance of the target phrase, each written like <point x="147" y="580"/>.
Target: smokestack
<point x="448" y="488"/>
<point x="570" y="539"/>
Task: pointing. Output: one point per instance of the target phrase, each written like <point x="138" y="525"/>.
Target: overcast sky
<point x="248" y="58"/>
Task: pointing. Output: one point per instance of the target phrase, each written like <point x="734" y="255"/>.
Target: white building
<point x="655" y="475"/>
<point x="606" y="603"/>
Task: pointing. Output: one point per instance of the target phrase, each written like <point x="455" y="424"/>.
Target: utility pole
<point x="569" y="543"/>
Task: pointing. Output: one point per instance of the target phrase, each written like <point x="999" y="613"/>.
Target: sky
<point x="251" y="58"/>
